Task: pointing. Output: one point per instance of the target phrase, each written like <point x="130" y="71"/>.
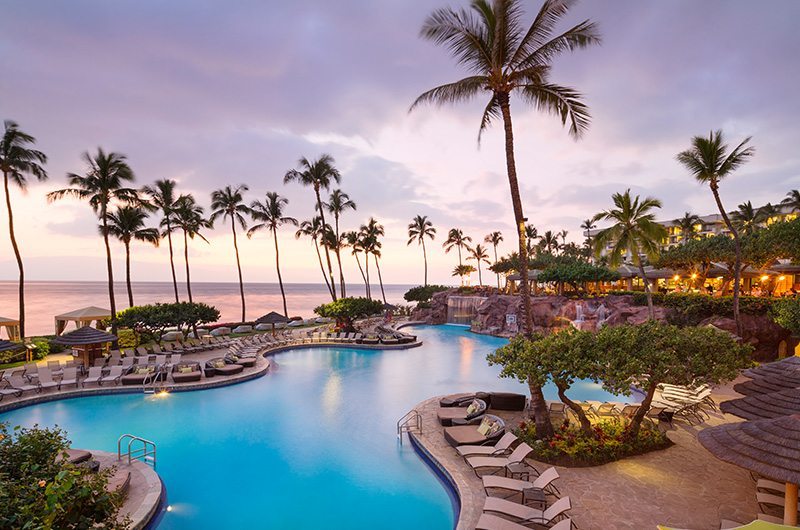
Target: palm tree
<point x="319" y="174"/>
<point x="746" y="218"/>
<point x="353" y="240"/>
<point x="106" y="174"/>
<point x="314" y="230"/>
<point x="709" y="161"/>
<point x="767" y="212"/>
<point x="418" y="229"/>
<point x="686" y="225"/>
<point x="479" y="254"/>
<point x="270" y="213"/>
<point x="463" y="270"/>
<point x="229" y="202"/>
<point x="563" y="235"/>
<point x="18" y="159"/>
<point x="531" y="235"/>
<point x="549" y="242"/>
<point x="494" y="239"/>
<point x="162" y="196"/>
<point x="456" y="239"/>
<point x="370" y="236"/>
<point x="338" y="202"/>
<point x="127" y="224"/>
<point x="792" y="200"/>
<point x="635" y="231"/>
<point x="188" y="216"/>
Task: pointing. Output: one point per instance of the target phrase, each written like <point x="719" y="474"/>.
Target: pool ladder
<point x="410" y="422"/>
<point x="137" y="449"/>
<point x="151" y="382"/>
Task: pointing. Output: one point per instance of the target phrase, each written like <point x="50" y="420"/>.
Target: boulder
<point x="323" y="320"/>
<point x="171" y="336"/>
<point x="759" y="331"/>
<point x="264" y="327"/>
<point x="295" y="324"/>
<point x="217" y="332"/>
<point x="243" y="329"/>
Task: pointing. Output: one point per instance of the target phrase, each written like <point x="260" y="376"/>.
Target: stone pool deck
<point x="144" y="491"/>
<point x="683" y="486"/>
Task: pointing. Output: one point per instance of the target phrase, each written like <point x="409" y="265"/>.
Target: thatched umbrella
<point x="766" y="385"/>
<point x="774" y="368"/>
<point x="768" y="447"/>
<point x="764" y="406"/>
<point x="88" y="341"/>
<point x="273" y="318"/>
<point x="7" y="345"/>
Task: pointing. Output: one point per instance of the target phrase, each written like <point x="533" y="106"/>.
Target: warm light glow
<point x="781" y="278"/>
<point x="764" y="278"/>
<point x="694" y="276"/>
<point x="169" y="508"/>
<point x="676" y="277"/>
<point x="162" y="393"/>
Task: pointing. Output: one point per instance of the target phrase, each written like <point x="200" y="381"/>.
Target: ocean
<point x="45" y="299"/>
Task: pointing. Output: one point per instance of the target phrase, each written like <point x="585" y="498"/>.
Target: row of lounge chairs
<point x="16" y="385"/>
<point x="686" y="402"/>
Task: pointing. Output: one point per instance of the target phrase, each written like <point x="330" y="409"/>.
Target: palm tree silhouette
<point x="229" y="202"/>
<point x="418" y="229"/>
<point x="746" y="218"/>
<point x="338" y="202"/>
<point x="127" y="224"/>
<point x="103" y="182"/>
<point x="463" y="270"/>
<point x="271" y="217"/>
<point x="314" y="230"/>
<point x="792" y="200"/>
<point x="494" y="239"/>
<point x="354" y="241"/>
<point x="18" y="159"/>
<point x="162" y="196"/>
<point x="370" y="242"/>
<point x="686" y="225"/>
<point x="549" y="242"/>
<point x="456" y="239"/>
<point x="189" y="217"/>
<point x="479" y="254"/>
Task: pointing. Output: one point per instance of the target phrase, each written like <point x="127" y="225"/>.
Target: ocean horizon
<point x="44" y="298"/>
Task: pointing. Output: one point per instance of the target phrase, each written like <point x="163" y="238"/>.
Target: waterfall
<point x="601" y="315"/>
<point x="463" y="309"/>
<point x="579" y="312"/>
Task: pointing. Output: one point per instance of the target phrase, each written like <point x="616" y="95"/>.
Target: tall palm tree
<point x="456" y="239"/>
<point x="418" y="229"/>
<point x="479" y="254"/>
<point x="494" y="239"/>
<point x="563" y="235"/>
<point x="189" y="217"/>
<point x="354" y="241"/>
<point x="746" y="218"/>
<point x="531" y="235"/>
<point x="767" y="212"/>
<point x="319" y="174"/>
<point x="549" y="242"/>
<point x="792" y="200"/>
<point x="463" y="270"/>
<point x="686" y="225"/>
<point x="162" y="196"/>
<point x="338" y="202"/>
<point x="18" y="159"/>
<point x="709" y="162"/>
<point x="229" y="202"/>
<point x="634" y="230"/>
<point x="371" y="234"/>
<point x="103" y="182"/>
<point x="271" y="217"/>
<point x="127" y="224"/>
<point x="314" y="230"/>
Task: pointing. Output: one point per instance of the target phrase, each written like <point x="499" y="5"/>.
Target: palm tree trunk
<point x="327" y="253"/>
<point x="238" y="265"/>
<point x="480" y="278"/>
<point x="737" y="273"/>
<point x="495" y="262"/>
<point x="638" y="261"/>
<point x="322" y="268"/>
<point x="380" y="280"/>
<point x="539" y="406"/>
<point x="110" y="268"/>
<point x="342" y="288"/>
<point x="186" y="261"/>
<point x="366" y="266"/>
<point x="361" y="270"/>
<point x="172" y="260"/>
<point x="459" y="254"/>
<point x="278" y="268"/>
<point x="128" y="272"/>
<point x="18" y="255"/>
<point x="425" y="259"/>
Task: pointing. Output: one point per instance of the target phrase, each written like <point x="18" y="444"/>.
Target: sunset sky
<point x="215" y="93"/>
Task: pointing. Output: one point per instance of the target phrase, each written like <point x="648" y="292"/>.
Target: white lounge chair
<point x="46" y="378"/>
<point x="7" y="390"/>
<point x="517" y="456"/>
<point x="70" y="377"/>
<point x="114" y="375"/>
<point x="527" y="514"/>
<point x="488" y="521"/>
<point x="543" y="482"/>
<point x="18" y="383"/>
<point x="502" y="446"/>
<point x="95" y="374"/>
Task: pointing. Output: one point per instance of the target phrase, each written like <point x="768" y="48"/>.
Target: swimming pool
<point x="311" y="445"/>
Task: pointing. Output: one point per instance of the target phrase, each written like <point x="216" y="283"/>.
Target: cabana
<point x="12" y="328"/>
<point x="273" y="318"/>
<point x="82" y="317"/>
<point x="768" y="447"/>
<point x="9" y="346"/>
<point x="87" y="343"/>
<point x="764" y="406"/>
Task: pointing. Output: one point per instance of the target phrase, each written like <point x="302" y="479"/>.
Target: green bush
<point x="423" y="293"/>
<point x="346" y="310"/>
<point x="41" y="348"/>
<point x="127" y="338"/>
<point x="786" y="313"/>
<point x="151" y="320"/>
<point x="691" y="308"/>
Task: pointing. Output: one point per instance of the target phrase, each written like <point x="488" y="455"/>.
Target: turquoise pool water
<point x="311" y="445"/>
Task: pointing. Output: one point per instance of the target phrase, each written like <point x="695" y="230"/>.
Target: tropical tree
<point x="418" y="229"/>
<point x="371" y="242"/>
<point x="319" y="174"/>
<point x="479" y="254"/>
<point x="563" y="235"/>
<point x="353" y="240"/>
<point x="270" y="216"/>
<point x="549" y="242"/>
<point x="189" y="217"/>
<point x="463" y="270"/>
<point x="686" y="225"/>
<point x="792" y="200"/>
<point x="456" y="239"/>
<point x="746" y="218"/>
<point x="709" y="161"/>
<point x="588" y="225"/>
<point x="635" y="231"/>
<point x="767" y="212"/>
<point x="494" y="239"/>
<point x="103" y="182"/>
<point x="229" y="202"/>
<point x="314" y="229"/>
<point x="531" y="235"/>
<point x="162" y="196"/>
<point x="127" y="224"/>
<point x="338" y="202"/>
<point x="17" y="160"/>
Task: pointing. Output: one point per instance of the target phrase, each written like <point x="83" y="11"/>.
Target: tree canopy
<point x="155" y="318"/>
<point x="347" y="310"/>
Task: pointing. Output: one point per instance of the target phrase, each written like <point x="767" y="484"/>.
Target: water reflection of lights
<point x="332" y="395"/>
<point x="467" y="348"/>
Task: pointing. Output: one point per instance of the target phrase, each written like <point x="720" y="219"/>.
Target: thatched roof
<point x="84" y="336"/>
<point x="767" y="385"/>
<point x="272" y="318"/>
<point x="6" y="345"/>
<point x="8" y="321"/>
<point x="86" y="313"/>
<point x="768" y="447"/>
<point x="764" y="406"/>
<point x="774" y="368"/>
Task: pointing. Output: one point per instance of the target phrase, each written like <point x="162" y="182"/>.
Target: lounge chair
<point x="137" y="375"/>
<point x="186" y="372"/>
<point x="95" y="375"/>
<point x="7" y="390"/>
<point x="543" y="482"/>
<point x="31" y="371"/>
<point x="588" y="409"/>
<point x="528" y="514"/>
<point x="70" y="377"/>
<point x="247" y="362"/>
<point x="114" y="375"/>
<point x="175" y="358"/>
<point x="628" y="411"/>
<point x="223" y="368"/>
<point x="607" y="410"/>
<point x="46" y="379"/>
<point x="557" y="410"/>
<point x="483" y="430"/>
<point x="465" y="412"/>
<point x="55" y="367"/>
<point x="100" y="361"/>
<point x="141" y="351"/>
<point x="517" y="456"/>
<point x="502" y="447"/>
<point x="19" y="383"/>
<point x="488" y="521"/>
<point x="127" y="361"/>
<point x="161" y="360"/>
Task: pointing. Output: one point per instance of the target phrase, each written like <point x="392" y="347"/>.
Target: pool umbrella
<point x="774" y="368"/>
<point x="766" y="385"/>
<point x="6" y="345"/>
<point x="764" y="406"/>
<point x="88" y="341"/>
<point x="273" y="318"/>
<point x="768" y="447"/>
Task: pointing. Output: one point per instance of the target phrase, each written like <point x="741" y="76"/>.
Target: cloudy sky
<point x="212" y="93"/>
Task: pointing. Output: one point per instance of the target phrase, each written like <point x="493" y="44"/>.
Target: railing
<point x="410" y="422"/>
<point x="152" y="380"/>
<point x="146" y="450"/>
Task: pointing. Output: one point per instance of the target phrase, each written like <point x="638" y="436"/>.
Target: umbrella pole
<point x="790" y="505"/>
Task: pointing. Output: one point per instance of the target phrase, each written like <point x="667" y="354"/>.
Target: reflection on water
<point x="332" y="396"/>
<point x="467" y="347"/>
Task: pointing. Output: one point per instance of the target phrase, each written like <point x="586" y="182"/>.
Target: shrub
<point x="786" y="313"/>
<point x="423" y="293"/>
<point x="127" y="338"/>
<point x="153" y="319"/>
<point x="41" y="348"/>
<point x="691" y="308"/>
<point x="346" y="310"/>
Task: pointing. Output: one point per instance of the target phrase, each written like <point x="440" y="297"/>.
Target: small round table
<point x="534" y="496"/>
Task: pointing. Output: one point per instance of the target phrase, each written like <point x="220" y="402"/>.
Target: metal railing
<point x="145" y="452"/>
<point x="410" y="422"/>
